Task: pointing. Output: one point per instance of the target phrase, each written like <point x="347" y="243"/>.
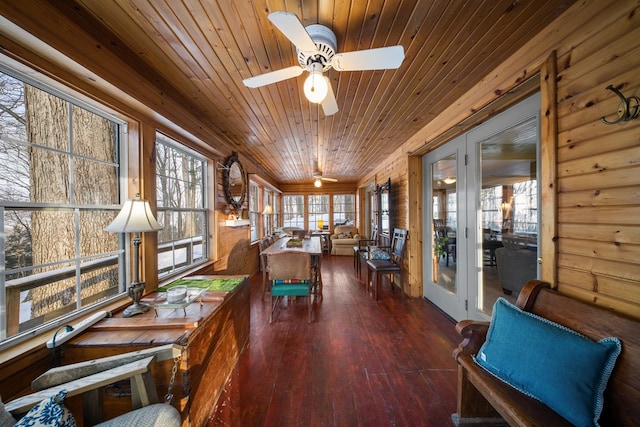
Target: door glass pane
<point x="508" y="213"/>
<point x="444" y="214"/>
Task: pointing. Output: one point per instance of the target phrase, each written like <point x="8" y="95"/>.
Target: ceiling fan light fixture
<point x="317" y="183"/>
<point x="449" y="180"/>
<point x="316" y="86"/>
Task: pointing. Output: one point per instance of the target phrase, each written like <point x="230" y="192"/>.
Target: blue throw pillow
<point x="549" y="362"/>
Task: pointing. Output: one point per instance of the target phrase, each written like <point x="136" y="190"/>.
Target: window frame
<point x="203" y="212"/>
<point x="79" y="262"/>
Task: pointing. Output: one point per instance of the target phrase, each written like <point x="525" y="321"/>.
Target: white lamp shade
<point x="316" y="86"/>
<point x="267" y="210"/>
<point x="135" y="216"/>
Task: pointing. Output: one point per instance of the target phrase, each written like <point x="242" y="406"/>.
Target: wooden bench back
<point x="622" y="396"/>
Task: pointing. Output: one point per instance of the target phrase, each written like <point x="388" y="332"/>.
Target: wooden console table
<point x="212" y="334"/>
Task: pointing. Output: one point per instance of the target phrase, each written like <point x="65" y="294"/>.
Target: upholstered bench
<point x="553" y="349"/>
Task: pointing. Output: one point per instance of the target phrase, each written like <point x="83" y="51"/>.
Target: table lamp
<point x="320" y="224"/>
<point x="135" y="217"/>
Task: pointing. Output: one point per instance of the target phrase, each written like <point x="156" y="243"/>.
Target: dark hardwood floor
<point x="360" y="363"/>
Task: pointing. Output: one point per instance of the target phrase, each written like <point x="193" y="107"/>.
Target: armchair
<point x="343" y="239"/>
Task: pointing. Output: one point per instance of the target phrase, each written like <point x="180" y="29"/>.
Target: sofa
<point x="343" y="239"/>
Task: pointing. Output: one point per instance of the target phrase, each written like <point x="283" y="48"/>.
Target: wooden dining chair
<point x="362" y="248"/>
<point x="376" y="268"/>
<point x="291" y="275"/>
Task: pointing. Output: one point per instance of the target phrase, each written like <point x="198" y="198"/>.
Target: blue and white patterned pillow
<point x="49" y="412"/>
<point x="379" y="254"/>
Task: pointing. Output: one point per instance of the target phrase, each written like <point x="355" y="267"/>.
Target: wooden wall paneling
<point x="589" y="140"/>
<point x="548" y="164"/>
<point x="414" y="244"/>
<point x="146" y="167"/>
<point x="598" y="173"/>
<point x="327" y="188"/>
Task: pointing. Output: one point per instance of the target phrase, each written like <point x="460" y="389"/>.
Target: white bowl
<point x="176" y="294"/>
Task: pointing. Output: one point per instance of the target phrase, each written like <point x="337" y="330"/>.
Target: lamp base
<point x="135" y="293"/>
<point x="135" y="309"/>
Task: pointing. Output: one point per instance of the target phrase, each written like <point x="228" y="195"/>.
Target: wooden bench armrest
<point x="66" y="373"/>
<point x="133" y="370"/>
<point x="473" y="333"/>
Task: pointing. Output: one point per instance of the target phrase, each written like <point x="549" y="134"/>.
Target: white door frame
<point x="465" y="302"/>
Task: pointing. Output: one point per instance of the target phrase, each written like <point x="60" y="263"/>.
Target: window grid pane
<point x="293" y="211"/>
<point x="318" y="210"/>
<point x="180" y="179"/>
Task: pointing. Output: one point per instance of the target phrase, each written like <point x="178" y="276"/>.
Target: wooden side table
<point x="212" y="335"/>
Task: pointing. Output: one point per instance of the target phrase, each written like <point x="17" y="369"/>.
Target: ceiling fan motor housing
<point x="326" y="42"/>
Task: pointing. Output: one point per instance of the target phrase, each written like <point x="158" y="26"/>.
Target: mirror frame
<point x="231" y="160"/>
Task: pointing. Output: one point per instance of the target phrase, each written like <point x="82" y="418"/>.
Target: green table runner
<point x="224" y="285"/>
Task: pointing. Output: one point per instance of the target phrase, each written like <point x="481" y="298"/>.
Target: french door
<point x="480" y="197"/>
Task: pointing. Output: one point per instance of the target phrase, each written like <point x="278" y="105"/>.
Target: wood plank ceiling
<point x="204" y="49"/>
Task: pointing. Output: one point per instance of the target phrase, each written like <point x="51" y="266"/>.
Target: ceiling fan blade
<point x="289" y="24"/>
<point x="273" y="76"/>
<point x="382" y="58"/>
<point x="329" y="104"/>
<point x="328" y="179"/>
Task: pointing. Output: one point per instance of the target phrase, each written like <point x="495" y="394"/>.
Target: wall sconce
<point x="627" y="110"/>
<point x="267" y="210"/>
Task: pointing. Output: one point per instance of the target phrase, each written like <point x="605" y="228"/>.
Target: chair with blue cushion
<point x="381" y="263"/>
<point x="291" y="275"/>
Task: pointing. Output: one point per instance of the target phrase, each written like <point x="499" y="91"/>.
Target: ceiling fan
<point x="318" y="178"/>
<point x="316" y="49"/>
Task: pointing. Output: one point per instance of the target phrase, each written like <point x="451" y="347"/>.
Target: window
<point x="318" y="211"/>
<point x="293" y="211"/>
<point x="268" y="215"/>
<point x="344" y="209"/>
<point x="254" y="210"/>
<point x="59" y="188"/>
<point x="491" y="200"/>
<point x="276" y="210"/>
<point x="182" y="207"/>
<point x="452" y="210"/>
<point x="525" y="209"/>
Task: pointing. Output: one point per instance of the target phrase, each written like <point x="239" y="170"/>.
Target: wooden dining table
<point x="312" y="245"/>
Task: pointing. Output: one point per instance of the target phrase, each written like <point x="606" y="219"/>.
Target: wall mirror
<point x="382" y="191"/>
<point x="234" y="182"/>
